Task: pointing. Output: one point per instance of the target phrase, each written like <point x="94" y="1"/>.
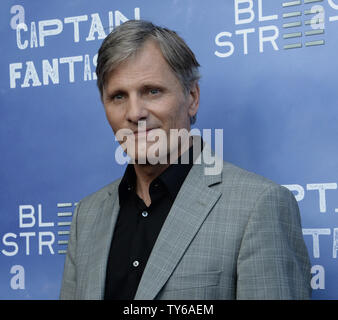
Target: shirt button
<point x="136" y="263"/>
<point x="144" y="213"/>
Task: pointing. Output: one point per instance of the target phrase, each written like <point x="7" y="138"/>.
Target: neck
<point x="146" y="173"/>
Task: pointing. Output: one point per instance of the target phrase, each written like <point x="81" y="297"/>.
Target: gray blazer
<point x="234" y="235"/>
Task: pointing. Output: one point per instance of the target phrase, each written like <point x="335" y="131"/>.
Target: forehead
<point x="147" y="64"/>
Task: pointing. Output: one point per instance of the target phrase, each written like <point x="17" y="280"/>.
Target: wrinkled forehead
<point x="148" y="60"/>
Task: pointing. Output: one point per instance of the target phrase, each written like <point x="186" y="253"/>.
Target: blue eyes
<point x="147" y="91"/>
<point x="118" y="97"/>
<point x="154" y="91"/>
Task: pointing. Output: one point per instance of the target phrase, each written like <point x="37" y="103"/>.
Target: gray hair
<point x="125" y="40"/>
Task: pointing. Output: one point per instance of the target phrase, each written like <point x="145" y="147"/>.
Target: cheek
<point x="174" y="113"/>
<point x="179" y="117"/>
<point x="113" y="119"/>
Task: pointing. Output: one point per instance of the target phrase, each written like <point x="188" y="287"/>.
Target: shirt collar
<point x="172" y="178"/>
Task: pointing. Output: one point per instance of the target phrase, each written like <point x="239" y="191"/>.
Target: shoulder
<point x="248" y="187"/>
<point x="96" y="198"/>
<point x="256" y="202"/>
<point x="225" y="176"/>
<point x="239" y="177"/>
<point x="91" y="206"/>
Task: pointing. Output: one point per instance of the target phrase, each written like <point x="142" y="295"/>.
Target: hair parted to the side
<point x="126" y="39"/>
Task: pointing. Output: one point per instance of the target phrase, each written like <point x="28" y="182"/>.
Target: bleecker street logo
<point x="37" y="236"/>
<point x="302" y="25"/>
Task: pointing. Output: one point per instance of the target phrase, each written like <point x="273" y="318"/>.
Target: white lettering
<point x="271" y="39"/>
<point x="50" y="32"/>
<point x="137" y="14"/>
<point x="18" y="280"/>
<point x="322" y="187"/>
<point x="76" y="20"/>
<point x="43" y="224"/>
<point x="96" y="27"/>
<point x="298" y="188"/>
<point x="19" y="16"/>
<point x="20" y="45"/>
<point x="13" y="74"/>
<point x="31" y="74"/>
<point x="34" y="38"/>
<point x="335" y="242"/>
<point x="111" y="21"/>
<point x="208" y="158"/>
<point x="95" y="64"/>
<point x="315" y="233"/>
<point x="260" y="13"/>
<point x="71" y="61"/>
<point x="179" y="138"/>
<point x="318" y="20"/>
<point x="245" y="32"/>
<point x="26" y="215"/>
<point x="157" y="152"/>
<point x="333" y="5"/>
<point x="50" y="72"/>
<point x="47" y="243"/>
<point x="224" y="44"/>
<point x="246" y="10"/>
<point x="318" y="280"/>
<point x="9" y="243"/>
<point x="27" y="235"/>
<point x="87" y="70"/>
<point x="120" y="18"/>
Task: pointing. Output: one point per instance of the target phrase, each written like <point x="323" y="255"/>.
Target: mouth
<point x="143" y="132"/>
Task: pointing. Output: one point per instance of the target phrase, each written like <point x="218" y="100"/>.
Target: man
<point x="169" y="230"/>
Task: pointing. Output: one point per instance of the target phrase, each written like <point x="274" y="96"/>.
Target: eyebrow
<point x="152" y="86"/>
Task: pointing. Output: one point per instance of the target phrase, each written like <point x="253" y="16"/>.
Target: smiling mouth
<point x="142" y="132"/>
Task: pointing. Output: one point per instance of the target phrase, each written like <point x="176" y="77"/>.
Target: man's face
<point x="144" y="88"/>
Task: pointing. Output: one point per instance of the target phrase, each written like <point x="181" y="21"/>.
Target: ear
<point x="194" y="99"/>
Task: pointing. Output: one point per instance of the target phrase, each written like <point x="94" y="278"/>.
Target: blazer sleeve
<point x="68" y="286"/>
<point x="273" y="261"/>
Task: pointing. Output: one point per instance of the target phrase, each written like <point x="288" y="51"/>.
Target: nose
<point x="136" y="109"/>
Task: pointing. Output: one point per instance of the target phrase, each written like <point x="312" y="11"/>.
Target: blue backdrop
<point x="269" y="80"/>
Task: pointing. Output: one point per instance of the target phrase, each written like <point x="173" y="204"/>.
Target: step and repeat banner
<point x="269" y="81"/>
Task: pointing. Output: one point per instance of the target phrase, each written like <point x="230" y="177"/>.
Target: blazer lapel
<point x="103" y="227"/>
<point x="192" y="205"/>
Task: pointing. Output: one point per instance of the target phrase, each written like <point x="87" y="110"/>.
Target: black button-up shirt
<point x="138" y="226"/>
